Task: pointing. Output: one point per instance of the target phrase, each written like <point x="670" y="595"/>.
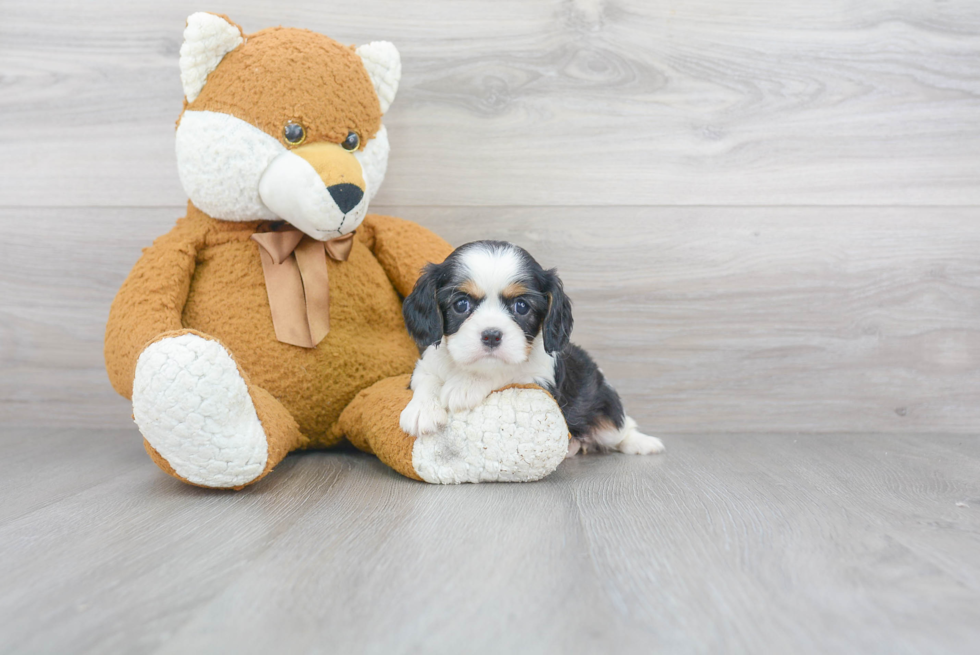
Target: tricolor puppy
<point x="490" y="316"/>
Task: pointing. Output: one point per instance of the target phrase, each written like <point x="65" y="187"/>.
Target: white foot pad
<point x="193" y="407"/>
<point x="516" y="435"/>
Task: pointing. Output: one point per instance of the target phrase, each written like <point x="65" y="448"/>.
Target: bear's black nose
<point x="346" y="195"/>
<point x="491" y="338"/>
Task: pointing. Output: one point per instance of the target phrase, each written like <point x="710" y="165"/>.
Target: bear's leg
<point x="370" y="422"/>
<point x="517" y="435"/>
<point x="200" y="419"/>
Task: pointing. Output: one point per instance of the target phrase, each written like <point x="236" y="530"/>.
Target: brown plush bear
<point x="269" y="318"/>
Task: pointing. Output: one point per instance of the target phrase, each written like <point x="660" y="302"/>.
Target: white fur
<point x="293" y="189"/>
<point x="220" y="160"/>
<point x="466" y="345"/>
<point x="515" y="435"/>
<point x="629" y="440"/>
<point x="491" y="270"/>
<point x="374" y="161"/>
<point x="384" y="67"/>
<point x="459" y="372"/>
<point x="207" y="39"/>
<point x="235" y="171"/>
<point x="636" y="443"/>
<point x="441" y="385"/>
<point x="424" y="414"/>
<point x="191" y="404"/>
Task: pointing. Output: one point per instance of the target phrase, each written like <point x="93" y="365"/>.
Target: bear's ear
<point x="207" y="38"/>
<point x="384" y="66"/>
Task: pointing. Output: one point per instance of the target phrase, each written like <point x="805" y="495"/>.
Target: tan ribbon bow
<point x="295" y="268"/>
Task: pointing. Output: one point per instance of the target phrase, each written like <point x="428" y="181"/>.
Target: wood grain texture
<point x="511" y="102"/>
<point x="804" y="334"/>
<point x="713" y="319"/>
<point x="728" y="543"/>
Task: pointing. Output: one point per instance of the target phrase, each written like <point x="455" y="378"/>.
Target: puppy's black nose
<point x="491" y="338"/>
<point x="346" y="195"/>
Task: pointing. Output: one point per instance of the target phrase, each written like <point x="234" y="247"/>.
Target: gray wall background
<point x="765" y="212"/>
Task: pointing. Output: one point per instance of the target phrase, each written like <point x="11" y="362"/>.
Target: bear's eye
<point x="351" y="142"/>
<point x="294" y="133"/>
<point x="462" y="305"/>
<point x="521" y="306"/>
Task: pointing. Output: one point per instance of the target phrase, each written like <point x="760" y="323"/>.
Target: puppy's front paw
<point x="423" y="417"/>
<point x="462" y="397"/>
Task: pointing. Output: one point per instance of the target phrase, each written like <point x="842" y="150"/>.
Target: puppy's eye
<point x="351" y="142"/>
<point x="521" y="306"/>
<point x="461" y="306"/>
<point x="294" y="133"/>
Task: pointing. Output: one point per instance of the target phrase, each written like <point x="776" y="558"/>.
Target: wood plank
<point x="714" y="319"/>
<point x="583" y="102"/>
<point x="736" y="543"/>
<point x="40" y="467"/>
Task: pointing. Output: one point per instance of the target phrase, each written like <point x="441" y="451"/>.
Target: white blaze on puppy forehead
<point x="492" y="269"/>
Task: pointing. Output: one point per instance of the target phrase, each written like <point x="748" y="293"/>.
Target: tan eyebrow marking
<point x="469" y="288"/>
<point x="513" y="290"/>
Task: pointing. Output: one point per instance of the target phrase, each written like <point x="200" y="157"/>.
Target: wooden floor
<point x="757" y="543"/>
<point x="767" y="215"/>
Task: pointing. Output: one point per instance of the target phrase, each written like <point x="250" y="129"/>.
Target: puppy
<point x="490" y="316"/>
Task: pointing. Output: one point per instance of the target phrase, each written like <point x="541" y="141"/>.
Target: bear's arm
<point x="402" y="248"/>
<point x="151" y="300"/>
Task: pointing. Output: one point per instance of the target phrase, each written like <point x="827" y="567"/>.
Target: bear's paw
<point x="193" y="407"/>
<point x="516" y="435"/>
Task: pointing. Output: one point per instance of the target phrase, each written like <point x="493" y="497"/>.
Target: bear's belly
<point x="366" y="343"/>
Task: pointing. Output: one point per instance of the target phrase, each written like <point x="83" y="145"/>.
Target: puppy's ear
<point x="423" y="318"/>
<point x="558" y="321"/>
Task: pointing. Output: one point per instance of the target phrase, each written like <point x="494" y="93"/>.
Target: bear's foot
<point x="193" y="408"/>
<point x="516" y="435"/>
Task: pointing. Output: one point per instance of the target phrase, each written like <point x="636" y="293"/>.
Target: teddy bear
<point x="268" y="320"/>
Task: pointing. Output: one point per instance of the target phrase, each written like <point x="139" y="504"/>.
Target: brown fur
<point x="513" y="290"/>
<point x="306" y="77"/>
<point x="469" y="288"/>
<point x="590" y="441"/>
<point x="205" y="276"/>
<point x="370" y="422"/>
